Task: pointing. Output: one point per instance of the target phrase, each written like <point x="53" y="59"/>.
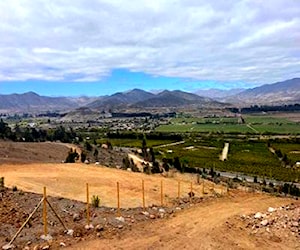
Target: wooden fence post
<point x="118" y="200"/>
<point x="143" y="194"/>
<point x="45" y="212"/>
<point x="191" y="192"/>
<point x="161" y="193"/>
<point x="87" y="205"/>
<point x="178" y="189"/>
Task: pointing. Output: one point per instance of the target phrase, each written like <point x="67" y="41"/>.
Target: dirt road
<point x="170" y="144"/>
<point x="224" y="154"/>
<point x="212" y="225"/>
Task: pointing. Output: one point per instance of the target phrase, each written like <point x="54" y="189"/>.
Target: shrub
<point x="255" y="179"/>
<point x="1" y="182"/>
<point x="95" y="201"/>
<point x="72" y="156"/>
<point x="14" y="188"/>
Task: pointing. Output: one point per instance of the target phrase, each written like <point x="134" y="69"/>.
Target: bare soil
<point x="214" y="224"/>
<point x="207" y="221"/>
<point x="53" y="152"/>
<point x="29" y="152"/>
<point x="69" y="181"/>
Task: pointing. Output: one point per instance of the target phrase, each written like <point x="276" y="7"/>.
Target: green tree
<point x="144" y="147"/>
<point x="82" y="157"/>
<point x="88" y="146"/>
<point x="177" y="164"/>
<point x="72" y="156"/>
<point x="96" y="153"/>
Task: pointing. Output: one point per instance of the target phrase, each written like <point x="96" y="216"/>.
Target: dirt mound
<point x="30" y="152"/>
<point x="279" y="222"/>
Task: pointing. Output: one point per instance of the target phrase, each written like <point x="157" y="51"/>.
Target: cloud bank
<point x="77" y="40"/>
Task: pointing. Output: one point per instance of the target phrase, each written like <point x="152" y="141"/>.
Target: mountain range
<point x="138" y="98"/>
<point x="218" y="94"/>
<point x="279" y="93"/>
<point x="286" y="92"/>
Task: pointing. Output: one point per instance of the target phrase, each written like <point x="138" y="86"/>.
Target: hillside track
<point x="210" y="225"/>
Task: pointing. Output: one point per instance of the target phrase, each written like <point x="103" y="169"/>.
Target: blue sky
<point x="118" y="81"/>
<point x="98" y="47"/>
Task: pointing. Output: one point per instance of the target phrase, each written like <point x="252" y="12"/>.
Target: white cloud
<point x="251" y="41"/>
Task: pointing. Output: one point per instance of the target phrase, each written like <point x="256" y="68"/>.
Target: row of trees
<point x="31" y="134"/>
<point x="265" y="108"/>
<point x="150" y="136"/>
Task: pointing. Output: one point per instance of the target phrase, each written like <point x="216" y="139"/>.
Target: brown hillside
<point x="30" y="152"/>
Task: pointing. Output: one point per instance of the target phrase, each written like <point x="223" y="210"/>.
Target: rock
<point x="62" y="244"/>
<point x="258" y="215"/>
<point x="178" y="208"/>
<point x="90" y="226"/>
<point x="121" y="219"/>
<point x="28" y="243"/>
<point x="264" y="222"/>
<point x="120" y="226"/>
<point x="99" y="228"/>
<point x="47" y="237"/>
<point x="98" y="234"/>
<point x="271" y="209"/>
<point x="46" y="247"/>
<point x="76" y="217"/>
<point x="295" y="224"/>
<point x="26" y="248"/>
<point x="145" y="213"/>
<point x="70" y="232"/>
<point x="152" y="216"/>
<point x="8" y="246"/>
<point x="161" y="210"/>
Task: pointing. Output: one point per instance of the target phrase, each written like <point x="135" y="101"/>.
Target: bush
<point x="72" y="156"/>
<point x="255" y="179"/>
<point x="1" y="182"/>
<point x="95" y="201"/>
<point x="14" y="188"/>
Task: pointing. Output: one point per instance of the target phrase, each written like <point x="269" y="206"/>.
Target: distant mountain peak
<point x="285" y="92"/>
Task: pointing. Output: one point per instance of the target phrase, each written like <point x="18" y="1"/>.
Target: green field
<point x="261" y="119"/>
<point x="292" y="150"/>
<point x="288" y="128"/>
<point x="249" y="157"/>
<point x="202" y="128"/>
<point x="232" y="125"/>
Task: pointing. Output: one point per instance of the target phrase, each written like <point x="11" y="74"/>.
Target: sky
<point x="99" y="47"/>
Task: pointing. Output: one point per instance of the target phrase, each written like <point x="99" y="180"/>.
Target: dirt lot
<point x="208" y="221"/>
<point x="69" y="181"/>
